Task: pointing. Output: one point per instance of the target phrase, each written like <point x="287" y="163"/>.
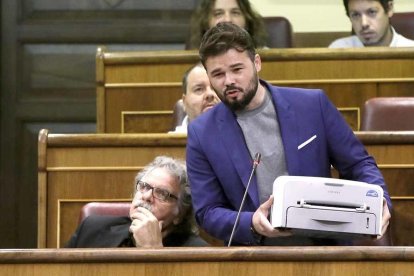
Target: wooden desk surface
<point x="212" y="261"/>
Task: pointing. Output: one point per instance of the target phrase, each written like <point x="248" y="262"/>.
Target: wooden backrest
<point x="75" y="169"/>
<point x="151" y="81"/>
<point x="147" y="121"/>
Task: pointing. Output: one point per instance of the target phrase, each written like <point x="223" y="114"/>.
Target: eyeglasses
<point x="158" y="193"/>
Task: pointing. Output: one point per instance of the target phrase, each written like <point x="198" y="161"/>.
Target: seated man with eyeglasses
<point x="160" y="214"/>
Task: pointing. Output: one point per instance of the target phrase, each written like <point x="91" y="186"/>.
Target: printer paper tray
<point x="331" y="221"/>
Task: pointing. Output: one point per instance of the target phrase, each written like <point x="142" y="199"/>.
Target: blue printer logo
<point x="372" y="193"/>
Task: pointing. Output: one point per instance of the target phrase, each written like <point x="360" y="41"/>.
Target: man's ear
<point x="257" y="62"/>
<point x="177" y="220"/>
<point x="182" y="213"/>
<point x="178" y="215"/>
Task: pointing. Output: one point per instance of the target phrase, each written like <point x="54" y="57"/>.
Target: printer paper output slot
<point x="330" y="220"/>
<point x="329" y="205"/>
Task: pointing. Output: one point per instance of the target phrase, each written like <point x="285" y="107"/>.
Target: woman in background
<point x="240" y="12"/>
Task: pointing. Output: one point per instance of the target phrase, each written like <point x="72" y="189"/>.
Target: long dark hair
<point x="200" y="23"/>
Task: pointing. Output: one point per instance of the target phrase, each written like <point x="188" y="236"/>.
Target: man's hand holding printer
<point x="262" y="225"/>
<point x="386" y="216"/>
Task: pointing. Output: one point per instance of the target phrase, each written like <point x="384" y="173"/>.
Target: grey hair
<point x="176" y="169"/>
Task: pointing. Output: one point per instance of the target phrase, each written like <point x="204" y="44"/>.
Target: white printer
<point x="326" y="206"/>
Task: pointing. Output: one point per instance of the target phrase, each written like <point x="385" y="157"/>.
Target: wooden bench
<point x="151" y="81"/>
<point x="78" y="168"/>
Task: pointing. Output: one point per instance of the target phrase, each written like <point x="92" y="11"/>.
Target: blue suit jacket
<point x="219" y="163"/>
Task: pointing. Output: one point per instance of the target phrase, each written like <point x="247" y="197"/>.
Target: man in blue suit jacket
<point x="297" y="131"/>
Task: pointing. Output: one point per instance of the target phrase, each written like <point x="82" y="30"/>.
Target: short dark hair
<point x="223" y="37"/>
<point x="384" y="4"/>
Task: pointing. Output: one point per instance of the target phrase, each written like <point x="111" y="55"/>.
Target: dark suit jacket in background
<point x="113" y="231"/>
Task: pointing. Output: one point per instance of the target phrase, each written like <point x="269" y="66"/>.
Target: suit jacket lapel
<point x="289" y="130"/>
<point x="117" y="234"/>
<point x="235" y="145"/>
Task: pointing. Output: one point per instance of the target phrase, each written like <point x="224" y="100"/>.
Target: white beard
<point x="144" y="205"/>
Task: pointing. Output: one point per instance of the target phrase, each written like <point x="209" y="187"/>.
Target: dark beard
<point x="249" y="94"/>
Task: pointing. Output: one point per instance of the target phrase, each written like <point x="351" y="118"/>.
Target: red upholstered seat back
<point x="388" y="114"/>
<point x="104" y="208"/>
<point x="403" y="23"/>
<point x="178" y="113"/>
<point x="280" y="32"/>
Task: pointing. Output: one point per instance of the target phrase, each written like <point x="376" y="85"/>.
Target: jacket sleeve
<point x="214" y="210"/>
<point x="73" y="241"/>
<point x="348" y="155"/>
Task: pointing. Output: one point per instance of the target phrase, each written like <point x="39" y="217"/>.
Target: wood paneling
<point x="148" y="98"/>
<point x="320" y="39"/>
<point x="146" y="121"/>
<point x="161" y="121"/>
